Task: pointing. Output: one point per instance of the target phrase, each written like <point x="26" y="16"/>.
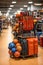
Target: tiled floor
<point x="7" y="37"/>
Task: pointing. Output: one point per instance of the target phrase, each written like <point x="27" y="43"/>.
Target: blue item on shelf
<point x="39" y="33"/>
<point x="13" y="50"/>
<point x="11" y="45"/>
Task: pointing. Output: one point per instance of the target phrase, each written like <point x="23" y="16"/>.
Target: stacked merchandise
<point x="32" y="46"/>
<point x="4" y="22"/>
<point x="24" y="24"/>
<point x="14" y="48"/>
<point x="25" y="45"/>
<point x="23" y="48"/>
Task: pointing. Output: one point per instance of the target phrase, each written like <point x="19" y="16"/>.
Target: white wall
<point x="32" y="7"/>
<point x="37" y="8"/>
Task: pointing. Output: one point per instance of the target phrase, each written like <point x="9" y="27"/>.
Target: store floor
<point x="7" y="37"/>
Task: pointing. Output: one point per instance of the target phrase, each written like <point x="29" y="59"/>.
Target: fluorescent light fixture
<point x="10" y="8"/>
<point x="13" y="2"/>
<point x="37" y="4"/>
<point x="30" y="2"/>
<point x="21" y="8"/>
<point x="25" y="6"/>
<point x="11" y="5"/>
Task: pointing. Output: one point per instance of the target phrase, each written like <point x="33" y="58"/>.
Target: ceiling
<point x="5" y="4"/>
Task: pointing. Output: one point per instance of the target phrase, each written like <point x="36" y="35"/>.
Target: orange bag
<point x="30" y="47"/>
<point x="28" y="24"/>
<point x="35" y="46"/>
<point x="24" y="25"/>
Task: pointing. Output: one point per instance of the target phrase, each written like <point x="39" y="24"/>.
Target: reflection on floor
<point x="7" y="37"/>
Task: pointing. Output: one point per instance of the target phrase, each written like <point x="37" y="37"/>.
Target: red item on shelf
<point x="41" y="41"/>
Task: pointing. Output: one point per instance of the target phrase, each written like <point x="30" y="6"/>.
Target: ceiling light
<point x="10" y="8"/>
<point x="21" y="8"/>
<point x="37" y="4"/>
<point x="30" y="2"/>
<point x="11" y="5"/>
<point x="13" y="2"/>
<point x="25" y="5"/>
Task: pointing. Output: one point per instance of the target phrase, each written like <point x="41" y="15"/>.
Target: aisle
<point x="7" y="37"/>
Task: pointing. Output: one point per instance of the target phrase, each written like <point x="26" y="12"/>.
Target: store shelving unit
<point x="4" y="25"/>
